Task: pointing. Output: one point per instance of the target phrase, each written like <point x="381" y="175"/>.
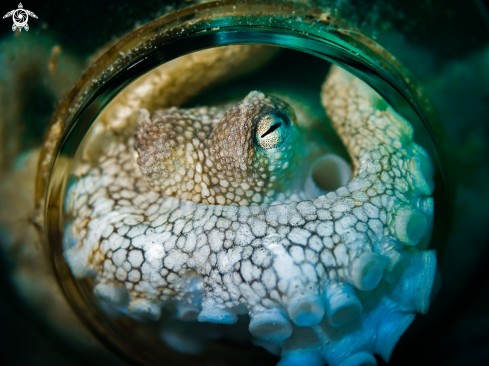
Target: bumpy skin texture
<point x="332" y="279"/>
<point x="208" y="155"/>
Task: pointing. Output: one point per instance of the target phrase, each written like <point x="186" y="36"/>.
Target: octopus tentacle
<point x="331" y="279"/>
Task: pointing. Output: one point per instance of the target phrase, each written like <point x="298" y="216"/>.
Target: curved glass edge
<point x="192" y="29"/>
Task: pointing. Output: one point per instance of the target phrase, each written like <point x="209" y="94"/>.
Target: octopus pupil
<point x="271" y="129"/>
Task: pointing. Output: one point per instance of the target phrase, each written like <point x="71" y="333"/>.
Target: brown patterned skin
<point x="242" y="156"/>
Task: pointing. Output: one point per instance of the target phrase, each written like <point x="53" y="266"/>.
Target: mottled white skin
<point x="293" y="264"/>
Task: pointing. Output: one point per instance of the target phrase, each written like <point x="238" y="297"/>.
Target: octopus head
<point x="243" y="155"/>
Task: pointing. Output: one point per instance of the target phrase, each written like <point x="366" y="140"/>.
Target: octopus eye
<point x="272" y="130"/>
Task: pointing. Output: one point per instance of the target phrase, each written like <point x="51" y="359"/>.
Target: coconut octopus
<point x="210" y="212"/>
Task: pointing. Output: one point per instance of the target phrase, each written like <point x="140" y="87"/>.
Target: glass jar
<point x="320" y="30"/>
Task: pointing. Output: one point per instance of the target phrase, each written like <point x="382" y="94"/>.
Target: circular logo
<point x="20" y="18"/>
